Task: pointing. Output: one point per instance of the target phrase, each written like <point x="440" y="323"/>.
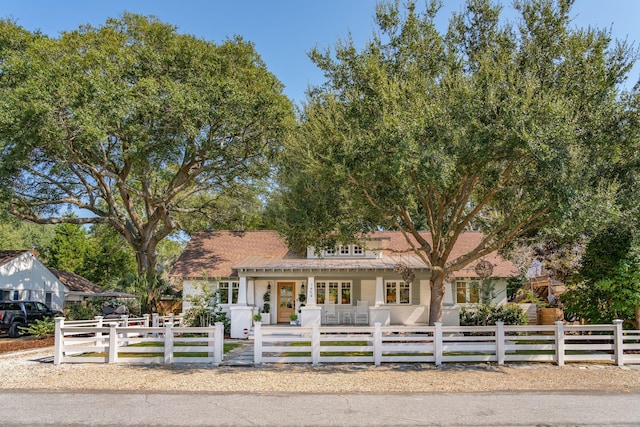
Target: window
<point x="467" y="293"/>
<point x="344" y="250"/>
<point x="48" y="297"/>
<point x="357" y="250"/>
<point x="337" y="292"/>
<point x="398" y="292"/>
<point x="329" y="252"/>
<point x="228" y="292"/>
<point x="320" y="292"/>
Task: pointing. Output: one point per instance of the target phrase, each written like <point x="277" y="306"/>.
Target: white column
<point x="379" y="291"/>
<point x="311" y="291"/>
<point x="251" y="292"/>
<point x="242" y="291"/>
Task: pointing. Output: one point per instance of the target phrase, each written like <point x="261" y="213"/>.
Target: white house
<point x="24" y="277"/>
<point x="328" y="287"/>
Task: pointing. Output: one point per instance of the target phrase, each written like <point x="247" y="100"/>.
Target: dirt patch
<point x="8" y="345"/>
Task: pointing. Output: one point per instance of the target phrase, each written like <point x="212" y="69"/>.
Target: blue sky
<point x="283" y="31"/>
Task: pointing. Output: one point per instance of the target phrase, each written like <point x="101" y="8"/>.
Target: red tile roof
<point x="216" y="253"/>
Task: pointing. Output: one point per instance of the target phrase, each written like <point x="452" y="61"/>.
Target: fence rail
<point x="106" y="341"/>
<point x="444" y="344"/>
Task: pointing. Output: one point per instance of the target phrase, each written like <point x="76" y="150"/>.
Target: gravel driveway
<point x="34" y="370"/>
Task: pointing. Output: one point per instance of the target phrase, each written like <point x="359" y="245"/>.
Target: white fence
<point x="441" y="344"/>
<point x="112" y="341"/>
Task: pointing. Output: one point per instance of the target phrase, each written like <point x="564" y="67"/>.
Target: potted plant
<point x="266" y="308"/>
<point x="293" y="319"/>
<point x="257" y="317"/>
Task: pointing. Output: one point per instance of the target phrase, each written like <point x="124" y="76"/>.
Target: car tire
<point x="14" y="330"/>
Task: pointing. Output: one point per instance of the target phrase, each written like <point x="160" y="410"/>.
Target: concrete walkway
<point x="239" y="356"/>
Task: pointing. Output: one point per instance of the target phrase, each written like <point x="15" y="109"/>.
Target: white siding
<point x="32" y="279"/>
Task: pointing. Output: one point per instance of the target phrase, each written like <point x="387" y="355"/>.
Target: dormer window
<point x="344" y="250"/>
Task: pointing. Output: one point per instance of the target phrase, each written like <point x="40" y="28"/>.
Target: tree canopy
<point x="134" y="125"/>
<point x="491" y="126"/>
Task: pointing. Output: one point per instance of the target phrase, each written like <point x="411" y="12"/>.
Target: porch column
<point x="379" y="291"/>
<point x="242" y="291"/>
<point x="251" y="292"/>
<point x="311" y="291"/>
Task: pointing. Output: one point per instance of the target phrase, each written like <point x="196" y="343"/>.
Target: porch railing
<point x="446" y="344"/>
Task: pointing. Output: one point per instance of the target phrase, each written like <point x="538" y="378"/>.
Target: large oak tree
<point x="133" y="125"/>
<point x="491" y="126"/>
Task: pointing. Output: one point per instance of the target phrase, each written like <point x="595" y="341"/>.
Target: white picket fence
<point x="439" y="344"/>
<point x="132" y="340"/>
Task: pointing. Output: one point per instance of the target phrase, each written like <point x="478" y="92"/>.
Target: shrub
<point x="41" y="328"/>
<point x="489" y="314"/>
<point x="205" y="309"/>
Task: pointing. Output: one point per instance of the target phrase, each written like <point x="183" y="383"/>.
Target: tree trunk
<point x="437" y="297"/>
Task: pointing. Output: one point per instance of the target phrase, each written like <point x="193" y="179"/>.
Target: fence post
<point x="560" y="343"/>
<point x="315" y="343"/>
<point x="168" y="343"/>
<point x="500" y="342"/>
<point x="99" y="324"/>
<point x="146" y="320"/>
<point x="58" y="344"/>
<point x="218" y="345"/>
<point x="437" y="343"/>
<point x="618" y="343"/>
<point x="377" y="343"/>
<point x="257" y="343"/>
<point x="113" y="343"/>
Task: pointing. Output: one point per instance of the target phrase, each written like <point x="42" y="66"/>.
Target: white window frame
<point x="358" y="250"/>
<point x="323" y="287"/>
<point x="398" y="285"/>
<point x="233" y="290"/>
<point x="344" y="250"/>
<point x="471" y="287"/>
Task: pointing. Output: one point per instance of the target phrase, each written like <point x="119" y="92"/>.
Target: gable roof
<point x="219" y="253"/>
<point x="76" y="283"/>
<point x="6" y="256"/>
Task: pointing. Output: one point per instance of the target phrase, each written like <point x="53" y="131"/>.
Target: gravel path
<point x="28" y="370"/>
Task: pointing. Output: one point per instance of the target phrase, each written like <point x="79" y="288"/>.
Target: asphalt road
<point x="47" y="408"/>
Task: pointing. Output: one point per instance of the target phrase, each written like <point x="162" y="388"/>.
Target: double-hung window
<point x="398" y="292"/>
<point x="228" y="292"/>
<point x="335" y="291"/>
<point x="467" y="292"/>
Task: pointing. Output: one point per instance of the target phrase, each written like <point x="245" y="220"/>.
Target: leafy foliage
<point x="489" y="127"/>
<point x="41" y="328"/>
<point x="205" y="308"/>
<point x="489" y="314"/>
<point x="608" y="286"/>
<point x="144" y="128"/>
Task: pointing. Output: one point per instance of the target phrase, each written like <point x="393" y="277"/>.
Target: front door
<point x="286" y="301"/>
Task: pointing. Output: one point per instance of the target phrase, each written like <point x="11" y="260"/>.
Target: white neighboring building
<point x="23" y="277"/>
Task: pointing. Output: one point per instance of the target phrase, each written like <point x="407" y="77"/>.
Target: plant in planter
<point x="266" y="308"/>
<point x="293" y="318"/>
<point x="257" y="317"/>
